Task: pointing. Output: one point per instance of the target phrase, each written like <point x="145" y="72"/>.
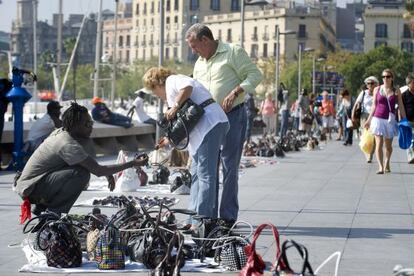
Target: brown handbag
<point x="255" y="265"/>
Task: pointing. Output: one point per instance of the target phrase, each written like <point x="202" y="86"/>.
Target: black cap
<point x="53" y="105"/>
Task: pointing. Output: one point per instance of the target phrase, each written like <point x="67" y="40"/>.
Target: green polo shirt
<point x="229" y="67"/>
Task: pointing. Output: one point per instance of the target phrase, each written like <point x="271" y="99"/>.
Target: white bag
<point x="391" y="117"/>
<point x="349" y="123"/>
<point x="126" y="180"/>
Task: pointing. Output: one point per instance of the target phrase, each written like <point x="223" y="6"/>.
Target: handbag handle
<point x="303" y="252"/>
<point x="275" y="235"/>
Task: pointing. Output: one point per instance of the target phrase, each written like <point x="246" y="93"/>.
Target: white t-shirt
<point x="213" y="115"/>
<point x="367" y="104"/>
<point x="40" y="128"/>
<point x="139" y="110"/>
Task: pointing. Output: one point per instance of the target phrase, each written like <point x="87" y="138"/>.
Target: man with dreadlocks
<point x="60" y="168"/>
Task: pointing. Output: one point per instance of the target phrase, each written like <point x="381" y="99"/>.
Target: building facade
<point x="124" y="35"/>
<point x="385" y="25"/>
<point x="21" y="44"/>
<point x="312" y="31"/>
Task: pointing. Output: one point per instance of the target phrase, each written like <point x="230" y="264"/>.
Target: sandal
<point x="380" y="172"/>
<point x="387" y="170"/>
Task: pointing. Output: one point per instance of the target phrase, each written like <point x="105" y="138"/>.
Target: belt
<point x="237" y="107"/>
<point x="207" y="102"/>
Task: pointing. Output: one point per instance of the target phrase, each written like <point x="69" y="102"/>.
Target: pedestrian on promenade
<point x="101" y="113"/>
<point x="381" y="120"/>
<point x="205" y="139"/>
<point x="364" y="103"/>
<point x="345" y="112"/>
<point x="339" y="120"/>
<point x="138" y="107"/>
<point x="327" y="112"/>
<point x="60" y="168"/>
<point x="295" y="111"/>
<point x="305" y="115"/>
<point x="284" y="113"/>
<point x="5" y="86"/>
<point x="268" y="110"/>
<point x="408" y="101"/>
<point x="251" y="111"/>
<point x="228" y="73"/>
<point x="42" y="127"/>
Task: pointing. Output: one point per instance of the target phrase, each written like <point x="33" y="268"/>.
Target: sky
<point x="8" y="9"/>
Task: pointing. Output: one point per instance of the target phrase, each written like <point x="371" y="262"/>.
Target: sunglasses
<point x="387" y="77"/>
<point x="370" y="83"/>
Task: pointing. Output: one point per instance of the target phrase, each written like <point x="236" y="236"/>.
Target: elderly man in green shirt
<point x="228" y="73"/>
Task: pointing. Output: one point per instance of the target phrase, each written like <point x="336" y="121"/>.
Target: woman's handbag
<point x="186" y="119"/>
<point x="307" y="118"/>
<point x="255" y="265"/>
<point x="109" y="251"/>
<point x="286" y="270"/>
<point x="62" y="247"/>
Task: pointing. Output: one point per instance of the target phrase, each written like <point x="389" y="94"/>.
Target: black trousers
<point x="58" y="191"/>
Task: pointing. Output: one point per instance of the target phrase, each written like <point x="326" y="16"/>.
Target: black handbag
<point x="285" y="269"/>
<point x="186" y="119"/>
<point x="307" y="118"/>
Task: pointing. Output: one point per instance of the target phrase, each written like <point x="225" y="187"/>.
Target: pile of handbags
<point x="153" y="237"/>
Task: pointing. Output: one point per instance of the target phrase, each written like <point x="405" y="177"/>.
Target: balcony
<point x="254" y="37"/>
<point x="143" y="43"/>
<point x="302" y="35"/>
<point x="151" y="43"/>
<point x="265" y="36"/>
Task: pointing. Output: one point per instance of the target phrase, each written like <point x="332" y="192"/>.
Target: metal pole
<point x="242" y="24"/>
<point x="313" y="74"/>
<point x="35" y="55"/>
<point x="299" y="68"/>
<point x="97" y="50"/>
<point x="277" y="75"/>
<point x="114" y="56"/>
<point x="59" y="47"/>
<point x="160" y="63"/>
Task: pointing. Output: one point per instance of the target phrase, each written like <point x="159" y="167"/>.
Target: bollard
<point x="18" y="96"/>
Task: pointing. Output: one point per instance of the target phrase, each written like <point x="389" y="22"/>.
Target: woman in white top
<point x="364" y="100"/>
<point x="204" y="140"/>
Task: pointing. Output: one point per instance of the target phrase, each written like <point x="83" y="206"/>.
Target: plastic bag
<point x="367" y="141"/>
<point x="126" y="180"/>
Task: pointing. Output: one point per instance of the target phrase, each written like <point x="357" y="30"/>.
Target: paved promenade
<point x="329" y="200"/>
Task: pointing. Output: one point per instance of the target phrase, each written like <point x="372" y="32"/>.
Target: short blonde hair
<point x="156" y="76"/>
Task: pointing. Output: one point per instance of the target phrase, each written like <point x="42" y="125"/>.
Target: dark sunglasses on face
<point x="387" y="77"/>
<point x="370" y="83"/>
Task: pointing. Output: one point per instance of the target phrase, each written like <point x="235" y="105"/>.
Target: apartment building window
<point x="266" y="33"/>
<point x="151" y="52"/>
<point x="136" y="53"/>
<point x="194" y="5"/>
<point x="175" y="52"/>
<point x="128" y="41"/>
<point x="175" y="19"/>
<point x="137" y="9"/>
<point x="143" y="54"/>
<point x="228" y="35"/>
<point x="407" y="46"/>
<point x="145" y="22"/>
<point x="136" y="42"/>
<point x="167" y="39"/>
<point x="152" y="22"/>
<point x="254" y="36"/>
<point x="235" y="5"/>
<point x="167" y="20"/>
<point x="152" y="7"/>
<point x="144" y="41"/>
<point x="106" y="42"/>
<point x="215" y="5"/>
<point x="274" y="35"/>
<point x="407" y="31"/>
<point x="265" y="50"/>
<point x="145" y="8"/>
<point x="121" y="41"/>
<point x="274" y="49"/>
<point x="137" y="23"/>
<point x="176" y="5"/>
<point x="302" y="31"/>
<point x="381" y="30"/>
<point x="380" y="43"/>
<point x="168" y="5"/>
<point x="167" y="53"/>
<point x="176" y="38"/>
<point x="120" y="56"/>
<point x="254" y="51"/>
<point x="219" y="35"/>
<point x="127" y="56"/>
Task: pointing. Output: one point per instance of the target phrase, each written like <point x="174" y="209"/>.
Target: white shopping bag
<point x="126" y="180"/>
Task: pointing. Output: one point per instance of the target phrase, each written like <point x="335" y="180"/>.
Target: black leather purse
<point x="186" y="119"/>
